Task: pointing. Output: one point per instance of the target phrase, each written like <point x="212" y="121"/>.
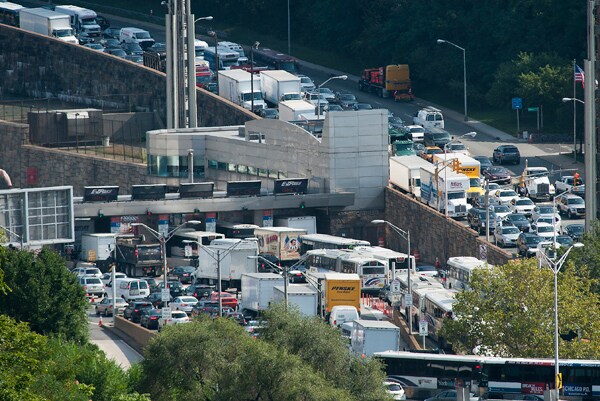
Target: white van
<point x="341" y="314"/>
<point x="429" y="117"/>
<point x="136" y="35"/>
<point x="131" y="289"/>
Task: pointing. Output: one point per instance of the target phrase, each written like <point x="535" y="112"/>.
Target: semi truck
<point x="281" y="242"/>
<point x="234" y="257"/>
<point x="405" y="173"/>
<point x="441" y="186"/>
<point x="82" y="20"/>
<point x="236" y="86"/>
<point x="302" y="296"/>
<point x="463" y="164"/>
<point x="293" y="110"/>
<point x="371" y="336"/>
<point x="47" y="22"/>
<point x="98" y="248"/>
<point x="389" y="80"/>
<point x="138" y="258"/>
<point x="308" y="223"/>
<point x="534" y="183"/>
<point x="277" y="83"/>
<point x="258" y="291"/>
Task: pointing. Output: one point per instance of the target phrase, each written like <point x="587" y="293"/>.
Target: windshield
<point x="511" y="150"/>
<point x="305" y="80"/>
<point x="523" y="202"/>
<point x="544" y="229"/>
<point x="505" y="194"/>
<point x="88" y="21"/>
<point x="518" y="217"/>
<point x="564" y="240"/>
<point x="501" y="209"/>
<point x="575" y="201"/>
<point x="143" y="35"/>
<point x="458" y="146"/>
<point x="474" y="182"/>
<point x="441" y="137"/>
<point x="289" y="67"/>
<point x="456" y="195"/>
<point x="347" y="97"/>
<point x="248" y="96"/>
<point x="545" y="210"/>
<point x="510" y="230"/>
<point x="577" y="229"/>
<point x="533" y="240"/>
<point x="61" y="33"/>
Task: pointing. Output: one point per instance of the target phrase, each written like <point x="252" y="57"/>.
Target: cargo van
<point x="131" y="289"/>
<point x="136" y="35"/>
<point x="341" y="314"/>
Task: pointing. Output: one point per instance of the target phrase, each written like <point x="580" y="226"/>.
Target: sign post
<point x="423" y="330"/>
<point x="537" y="118"/>
<point x="517" y="104"/>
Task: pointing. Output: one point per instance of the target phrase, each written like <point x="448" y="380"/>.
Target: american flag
<point x="579" y="76"/>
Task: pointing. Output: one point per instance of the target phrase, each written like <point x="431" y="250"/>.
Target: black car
<point x="527" y="244"/>
<point x="497" y="174"/>
<point x="111" y="43"/>
<point x="159" y="48"/>
<point x="477" y="217"/>
<point x="506" y="154"/>
<point x="200" y="291"/>
<point x="269" y="113"/>
<point x="149" y="318"/>
<point x="116" y="52"/>
<point x="564" y="240"/>
<point x="174" y="286"/>
<point x="134" y="310"/>
<point x="133" y="48"/>
<point x="574" y="231"/>
<point x="436" y="137"/>
<point x="156" y="299"/>
<point x="362" y="106"/>
<point x="519" y="220"/>
<point x="484" y="162"/>
<point x="183" y="273"/>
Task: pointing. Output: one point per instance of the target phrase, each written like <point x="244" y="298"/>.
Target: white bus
<point x="309" y="242"/>
<point x="437" y="307"/>
<point x="177" y="245"/>
<point x="460" y="269"/>
<point x="371" y="271"/>
<point x="9" y="13"/>
<point x="389" y="256"/>
<point x="235" y="230"/>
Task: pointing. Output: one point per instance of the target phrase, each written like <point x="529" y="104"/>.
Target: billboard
<point x="243" y="188"/>
<point x="291" y="186"/>
<point x="196" y="190"/>
<point x="100" y="194"/>
<point x="148" y="192"/>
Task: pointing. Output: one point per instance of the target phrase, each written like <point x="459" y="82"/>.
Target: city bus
<point x="372" y="272"/>
<point x="233" y="230"/>
<point x="326" y="241"/>
<point x="276" y="60"/>
<point x="9" y="13"/>
<point x="460" y="269"/>
<point x="423" y="375"/>
<point x="390" y="257"/>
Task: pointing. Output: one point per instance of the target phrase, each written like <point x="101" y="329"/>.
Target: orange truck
<point x="391" y="80"/>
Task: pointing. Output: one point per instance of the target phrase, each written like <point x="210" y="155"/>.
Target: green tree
<point x="586" y="260"/>
<point x="44" y="294"/>
<point x="217" y="360"/>
<point x="509" y="311"/>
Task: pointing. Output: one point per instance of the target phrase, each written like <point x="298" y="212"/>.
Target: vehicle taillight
<point x="183" y="304"/>
<point x="136" y="252"/>
<point x="85" y="287"/>
<point x="335" y="323"/>
<point x="135" y="310"/>
<point x="153" y="317"/>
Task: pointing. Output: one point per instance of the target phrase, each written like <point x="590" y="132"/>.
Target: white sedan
<point x="522" y="205"/>
<point x="545" y="211"/>
<point x="185" y="304"/>
<point x="506" y="235"/>
<point x="544" y="230"/>
<point x="504" y="196"/>
<point x="177" y="317"/>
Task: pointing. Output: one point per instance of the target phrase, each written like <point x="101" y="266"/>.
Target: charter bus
<point x="276" y="60"/>
<point x="227" y="58"/>
<point x="436" y="307"/>
<point x="460" y="269"/>
<point x="233" y="230"/>
<point x="390" y="257"/>
<point x="424" y="375"/>
<point x="372" y="272"/>
<point x="9" y="13"/>
<point x="326" y="241"/>
<point x="177" y="245"/>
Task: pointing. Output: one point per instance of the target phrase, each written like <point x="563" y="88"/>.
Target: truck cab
<point x="136" y="35"/>
<point x="429" y="117"/>
<point x="536" y="183"/>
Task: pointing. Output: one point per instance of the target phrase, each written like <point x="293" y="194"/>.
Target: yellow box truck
<point x="340" y="289"/>
<point x="466" y="165"/>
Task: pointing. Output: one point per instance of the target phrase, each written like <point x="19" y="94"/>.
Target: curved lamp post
<point x="440" y="41"/>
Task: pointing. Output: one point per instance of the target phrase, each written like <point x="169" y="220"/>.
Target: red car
<point x="227" y="299"/>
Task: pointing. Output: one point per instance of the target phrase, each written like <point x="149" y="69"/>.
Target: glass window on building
<point x="242" y="169"/>
<point x="232" y="168"/>
<point x="253" y="171"/>
<point x="283" y="175"/>
<point x="222" y="166"/>
<point x="273" y="174"/>
<point x="263" y="172"/>
<point x="213" y="164"/>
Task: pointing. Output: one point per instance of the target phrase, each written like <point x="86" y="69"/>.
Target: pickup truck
<point x="565" y="183"/>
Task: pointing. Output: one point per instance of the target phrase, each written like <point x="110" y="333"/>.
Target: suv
<point x="183" y="273"/>
<point x="92" y="286"/>
<point x="476" y="217"/>
<point x="416" y="132"/>
<point x="436" y="137"/>
<point x="527" y="244"/>
<point x="571" y="205"/>
<point x="174" y="286"/>
<point x="134" y="310"/>
<point x="506" y="153"/>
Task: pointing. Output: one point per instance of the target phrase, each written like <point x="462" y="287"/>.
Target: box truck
<point x="302" y="296"/>
<point x="276" y="83"/>
<point x="98" y="248"/>
<point x="292" y="110"/>
<point x="258" y="291"/>
<point x="370" y="336"/>
<point x="47" y="22"/>
<point x="405" y="173"/>
<point x="308" y="223"/>
<point x="463" y="164"/>
<point x="235" y="257"/>
<point x="236" y="86"/>
<point x="281" y="242"/>
<point x="443" y="186"/>
<point x="82" y="20"/>
<point x="339" y="289"/>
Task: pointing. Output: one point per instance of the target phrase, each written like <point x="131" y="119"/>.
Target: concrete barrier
<point x="133" y="334"/>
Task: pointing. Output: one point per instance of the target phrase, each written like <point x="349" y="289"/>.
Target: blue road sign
<point x="517" y="103"/>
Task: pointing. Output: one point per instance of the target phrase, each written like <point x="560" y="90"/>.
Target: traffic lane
<point x="114" y="347"/>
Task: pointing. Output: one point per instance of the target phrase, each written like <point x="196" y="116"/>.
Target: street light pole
<point x="285" y="270"/>
<point x="342" y="77"/>
<point x="555" y="266"/>
<point x="574" y="100"/>
<point x="255" y="46"/>
<point x="439" y="41"/>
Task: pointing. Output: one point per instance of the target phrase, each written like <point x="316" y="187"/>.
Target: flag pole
<point x="574" y="112"/>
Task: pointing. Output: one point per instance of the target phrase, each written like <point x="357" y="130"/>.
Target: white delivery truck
<point x="308" y="223"/>
<point x="371" y="336"/>
<point x="281" y="242"/>
<point x="302" y="296"/>
<point x="444" y="186"/>
<point x="237" y="257"/>
<point x="47" y="22"/>
<point x="292" y="110"/>
<point x="258" y="291"/>
<point x="83" y="20"/>
<point x="276" y="83"/>
<point x="98" y="248"/>
<point x="405" y="173"/>
<point x="236" y="86"/>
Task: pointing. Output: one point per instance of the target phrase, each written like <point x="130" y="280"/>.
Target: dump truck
<point x="138" y="258"/>
<point x="391" y="80"/>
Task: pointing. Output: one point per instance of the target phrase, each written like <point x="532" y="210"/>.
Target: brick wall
<point x="432" y="233"/>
